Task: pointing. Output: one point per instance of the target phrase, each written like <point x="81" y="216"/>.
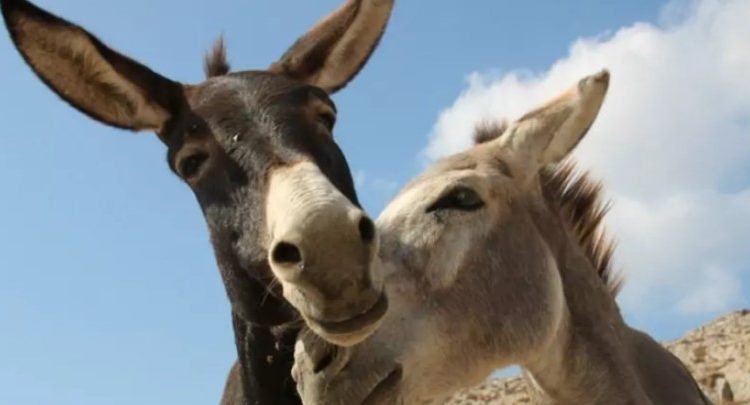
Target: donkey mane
<point x="215" y="62"/>
<point x="486" y="131"/>
<point x="579" y="199"/>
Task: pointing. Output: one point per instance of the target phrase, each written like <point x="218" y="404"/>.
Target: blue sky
<point x="109" y="291"/>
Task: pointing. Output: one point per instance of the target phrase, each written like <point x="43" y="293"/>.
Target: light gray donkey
<point x="496" y="256"/>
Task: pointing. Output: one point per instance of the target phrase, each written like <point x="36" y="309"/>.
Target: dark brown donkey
<point x="256" y="148"/>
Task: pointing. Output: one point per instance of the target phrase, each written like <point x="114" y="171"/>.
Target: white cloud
<point x="714" y="289"/>
<point x="359" y="179"/>
<point x="672" y="145"/>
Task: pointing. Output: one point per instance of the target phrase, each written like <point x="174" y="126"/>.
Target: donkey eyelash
<point x="461" y="198"/>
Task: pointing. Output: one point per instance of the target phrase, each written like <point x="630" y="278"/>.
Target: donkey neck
<point x="265" y="357"/>
<point x="589" y="359"/>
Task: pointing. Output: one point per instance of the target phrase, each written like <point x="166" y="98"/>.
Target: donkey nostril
<point x="286" y="253"/>
<point x="366" y="229"/>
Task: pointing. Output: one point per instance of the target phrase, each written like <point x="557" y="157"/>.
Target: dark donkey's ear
<point x="337" y="47"/>
<point x="93" y="78"/>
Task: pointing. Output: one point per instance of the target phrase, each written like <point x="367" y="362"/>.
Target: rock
<point x="718" y="355"/>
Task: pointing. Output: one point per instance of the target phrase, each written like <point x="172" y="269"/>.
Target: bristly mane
<point x="215" y="62"/>
<point x="486" y="131"/>
<point x="580" y="199"/>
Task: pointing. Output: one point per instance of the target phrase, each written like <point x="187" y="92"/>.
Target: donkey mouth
<point x="358" y="322"/>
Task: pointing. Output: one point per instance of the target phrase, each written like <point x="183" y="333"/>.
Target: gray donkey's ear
<point x="549" y="133"/>
<point x="338" y="46"/>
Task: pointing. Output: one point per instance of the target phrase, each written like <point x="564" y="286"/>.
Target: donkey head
<point x="256" y="148"/>
<point x="471" y="249"/>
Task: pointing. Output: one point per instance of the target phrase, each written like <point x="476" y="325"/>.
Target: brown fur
<point x="215" y="62"/>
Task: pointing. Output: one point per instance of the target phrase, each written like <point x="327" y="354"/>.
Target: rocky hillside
<point x="718" y="355"/>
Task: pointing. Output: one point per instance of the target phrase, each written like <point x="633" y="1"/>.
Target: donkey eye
<point x="460" y="198"/>
<point x="189" y="166"/>
<point x="327" y="119"/>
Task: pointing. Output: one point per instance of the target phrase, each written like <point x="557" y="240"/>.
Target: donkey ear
<point x="93" y="78"/>
<point x="338" y="46"/>
<point x="549" y="133"/>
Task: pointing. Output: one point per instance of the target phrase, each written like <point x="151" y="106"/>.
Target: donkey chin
<point x="355" y="318"/>
<point x="351" y="331"/>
